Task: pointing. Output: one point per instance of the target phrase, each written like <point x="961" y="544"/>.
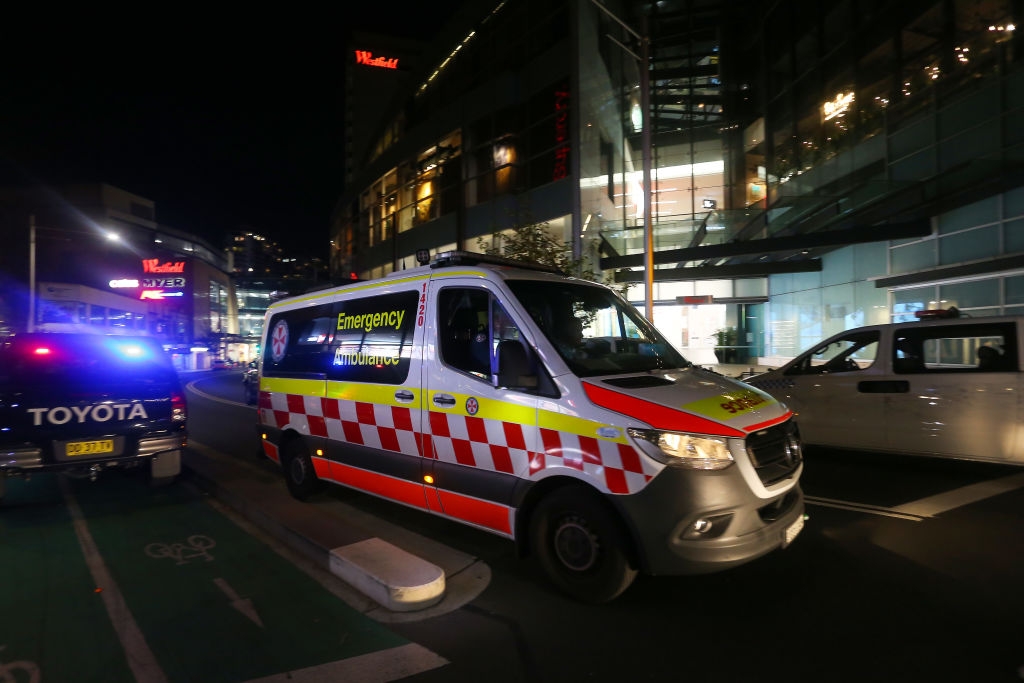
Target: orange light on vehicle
<point x="428" y="479"/>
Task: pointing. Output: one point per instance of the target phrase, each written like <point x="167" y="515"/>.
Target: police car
<point x="84" y="402"/>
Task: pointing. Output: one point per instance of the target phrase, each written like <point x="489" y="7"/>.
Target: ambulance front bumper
<point x="696" y="522"/>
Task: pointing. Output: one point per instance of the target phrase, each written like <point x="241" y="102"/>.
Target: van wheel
<point x="298" y="470"/>
<point x="581" y="545"/>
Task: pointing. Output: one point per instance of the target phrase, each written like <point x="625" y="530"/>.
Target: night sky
<point x="224" y="122"/>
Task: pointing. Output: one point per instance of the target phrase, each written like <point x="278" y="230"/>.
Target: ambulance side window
<point x="298" y="343"/>
<point x="373" y="338"/>
<point x="463" y="330"/>
<point x="477" y="336"/>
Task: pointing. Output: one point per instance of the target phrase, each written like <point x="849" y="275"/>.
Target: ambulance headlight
<point x="694" y="451"/>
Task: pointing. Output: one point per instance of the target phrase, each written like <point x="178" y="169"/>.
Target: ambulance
<point x="539" y="407"/>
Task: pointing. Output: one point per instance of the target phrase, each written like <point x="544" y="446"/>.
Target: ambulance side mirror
<point x="515" y="370"/>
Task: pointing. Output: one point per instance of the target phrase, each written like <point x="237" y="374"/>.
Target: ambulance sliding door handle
<point x="444" y="400"/>
<point x="404" y="396"/>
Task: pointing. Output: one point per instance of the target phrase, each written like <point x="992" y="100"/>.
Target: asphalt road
<point x="907" y="570"/>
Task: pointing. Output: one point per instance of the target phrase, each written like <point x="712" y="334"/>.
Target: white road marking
<point x="194" y="388"/>
<point x="949" y="500"/>
<point x="926" y="508"/>
<point x="375" y="667"/>
<point x="9" y="670"/>
<point x="243" y="605"/>
<point x="196" y="546"/>
<point x="861" y="507"/>
<point x="140" y="658"/>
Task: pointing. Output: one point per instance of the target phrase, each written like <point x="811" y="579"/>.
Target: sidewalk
<point x="326" y="531"/>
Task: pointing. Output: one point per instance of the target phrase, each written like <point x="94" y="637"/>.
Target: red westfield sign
<point x="153" y="265"/>
<point x="366" y="57"/>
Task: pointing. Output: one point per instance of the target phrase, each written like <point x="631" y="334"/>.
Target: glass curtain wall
<point x="688" y="192"/>
<point x="610" y="115"/>
<point x="923" y="75"/>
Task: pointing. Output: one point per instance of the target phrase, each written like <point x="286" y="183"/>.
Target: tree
<point x="534" y="242"/>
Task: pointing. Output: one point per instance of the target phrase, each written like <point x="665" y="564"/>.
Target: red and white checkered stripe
<point x="618" y="465"/>
<point x="366" y="424"/>
<point x="476" y="442"/>
<point x="466" y="440"/>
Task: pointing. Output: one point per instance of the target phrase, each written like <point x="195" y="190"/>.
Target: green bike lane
<point x="117" y="581"/>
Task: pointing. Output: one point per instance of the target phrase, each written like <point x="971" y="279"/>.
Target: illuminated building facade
<point x="262" y="273"/>
<point x="813" y="166"/>
<point x="100" y="262"/>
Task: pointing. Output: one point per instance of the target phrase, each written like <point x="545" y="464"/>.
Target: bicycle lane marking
<point x="217" y="604"/>
<point x="51" y="617"/>
<point x="137" y="653"/>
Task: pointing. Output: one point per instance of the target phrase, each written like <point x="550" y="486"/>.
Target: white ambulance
<point x="535" y="406"/>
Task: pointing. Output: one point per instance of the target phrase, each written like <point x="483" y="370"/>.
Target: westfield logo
<point x="366" y="57"/>
<point x="153" y="265"/>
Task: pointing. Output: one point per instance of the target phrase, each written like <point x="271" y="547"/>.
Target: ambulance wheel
<point x="298" y="470"/>
<point x="581" y="545"/>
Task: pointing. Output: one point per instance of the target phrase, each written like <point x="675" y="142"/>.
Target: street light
<point x="644" y="59"/>
<point x="31" y="326"/>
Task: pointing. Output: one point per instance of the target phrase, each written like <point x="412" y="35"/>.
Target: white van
<point x="535" y="406"/>
<point x="943" y="386"/>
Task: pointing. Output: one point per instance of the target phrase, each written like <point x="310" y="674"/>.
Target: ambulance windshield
<point x="593" y="330"/>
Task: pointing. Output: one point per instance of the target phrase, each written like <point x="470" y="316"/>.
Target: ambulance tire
<point x="581" y="545"/>
<point x="298" y="470"/>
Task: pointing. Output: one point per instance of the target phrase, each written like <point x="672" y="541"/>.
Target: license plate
<point x="73" y="448"/>
<point x="792" y="530"/>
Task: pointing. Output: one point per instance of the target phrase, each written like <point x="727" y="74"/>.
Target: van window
<point x="856" y="351"/>
<point x="463" y="320"/>
<point x="373" y="338"/>
<point x="982" y="347"/>
<point x="594" y="331"/>
<point x="298" y="342"/>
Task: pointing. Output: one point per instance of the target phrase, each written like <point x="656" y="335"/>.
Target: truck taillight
<point x="177" y="407"/>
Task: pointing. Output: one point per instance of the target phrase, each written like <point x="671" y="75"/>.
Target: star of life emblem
<point x="279" y="341"/>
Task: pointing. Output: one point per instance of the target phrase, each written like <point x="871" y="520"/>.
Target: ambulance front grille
<point x="775" y="452"/>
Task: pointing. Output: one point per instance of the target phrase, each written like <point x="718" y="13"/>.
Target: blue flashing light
<point x="129" y="350"/>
